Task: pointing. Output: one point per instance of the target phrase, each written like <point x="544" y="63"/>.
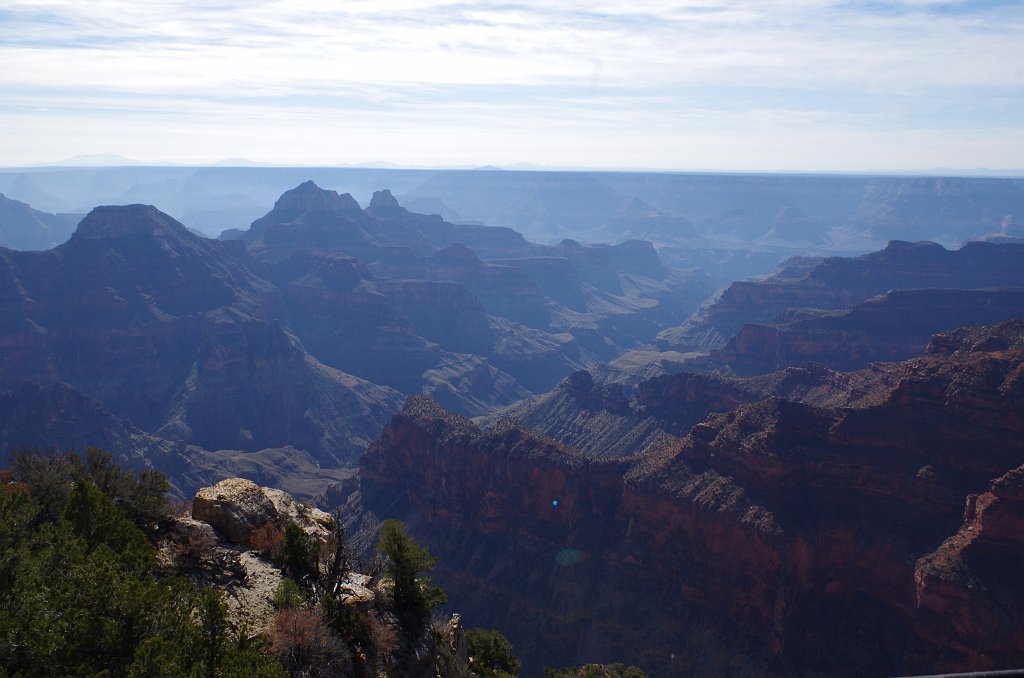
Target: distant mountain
<point x="733" y="225"/>
<point x="304" y="333"/>
<point x="97" y="160"/>
<point x="838" y="283"/>
<point x="893" y="326"/>
<point x="310" y="218"/>
<point x="390" y="294"/>
<point x="176" y="334"/>
<point x="24" y="228"/>
<point x="837" y="209"/>
<point x="548" y="205"/>
<point x="210" y="199"/>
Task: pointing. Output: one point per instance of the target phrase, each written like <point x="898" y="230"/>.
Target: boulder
<point x="355" y="590"/>
<point x="315" y="522"/>
<point x="236" y="508"/>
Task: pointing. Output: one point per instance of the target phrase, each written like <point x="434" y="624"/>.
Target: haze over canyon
<point x="705" y="424"/>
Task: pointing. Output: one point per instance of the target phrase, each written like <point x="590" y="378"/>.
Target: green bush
<point x="492" y="654"/>
<point x="300" y="551"/>
<point x="79" y="595"/>
<point x="288" y="595"/>
<point x="51" y="475"/>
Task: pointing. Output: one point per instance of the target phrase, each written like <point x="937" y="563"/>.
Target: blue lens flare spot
<point x="554" y="502"/>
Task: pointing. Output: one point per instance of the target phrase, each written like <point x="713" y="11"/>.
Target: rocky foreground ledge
<point x="214" y="545"/>
<point x="224" y="543"/>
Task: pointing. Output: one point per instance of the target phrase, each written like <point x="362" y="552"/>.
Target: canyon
<point x="305" y="332"/>
<point x="732" y="225"/>
<point x="778" y="537"/>
<point x="614" y="456"/>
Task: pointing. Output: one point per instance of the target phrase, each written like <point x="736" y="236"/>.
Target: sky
<point x="757" y="85"/>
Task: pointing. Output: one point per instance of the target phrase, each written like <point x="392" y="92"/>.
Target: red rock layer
<point x="776" y="538"/>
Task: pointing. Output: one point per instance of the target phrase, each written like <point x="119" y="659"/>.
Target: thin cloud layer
<point x="791" y="84"/>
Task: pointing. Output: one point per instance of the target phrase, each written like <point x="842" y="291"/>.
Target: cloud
<point x="824" y="67"/>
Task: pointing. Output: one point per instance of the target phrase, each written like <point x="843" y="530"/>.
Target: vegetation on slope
<point x="78" y="587"/>
<point x="83" y="593"/>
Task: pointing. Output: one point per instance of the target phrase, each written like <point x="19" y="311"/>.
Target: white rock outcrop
<point x="236" y="508"/>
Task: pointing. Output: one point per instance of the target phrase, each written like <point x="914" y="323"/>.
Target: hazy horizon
<point x="908" y="86"/>
<point x="105" y="161"/>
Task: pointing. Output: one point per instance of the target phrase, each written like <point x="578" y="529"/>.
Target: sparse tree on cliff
<point x="337" y="566"/>
<point x="300" y="551"/>
<point x="407" y="559"/>
<point x="492" y="654"/>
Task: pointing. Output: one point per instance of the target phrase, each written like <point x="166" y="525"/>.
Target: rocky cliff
<point x="600" y="412"/>
<point x="838" y="283"/>
<point x="308" y="217"/>
<point x="24" y="228"/>
<point x="594" y="417"/>
<point x="346" y="321"/>
<point x="890" y="327"/>
<point x="371" y="291"/>
<point x="780" y="537"/>
<point x="314" y="619"/>
<point x="968" y="589"/>
<point x="177" y="334"/>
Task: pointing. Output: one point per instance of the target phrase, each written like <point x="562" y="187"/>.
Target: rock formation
<point x="604" y="416"/>
<point x="893" y="326"/>
<point x="217" y="547"/>
<point x="192" y="349"/>
<point x="371" y="292"/>
<point x="780" y="537"/>
<point x="839" y="283"/>
<point x="236" y="508"/>
<point x="969" y="597"/>
<point x="176" y="334"/>
<point x="24" y="228"/>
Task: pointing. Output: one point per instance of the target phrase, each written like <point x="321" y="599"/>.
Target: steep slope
<point x="348" y="322"/>
<point x="310" y="218"/>
<point x="594" y="418"/>
<point x="969" y="588"/>
<point x="24" y="228"/>
<point x="607" y="413"/>
<point x="839" y="283"/>
<point x="780" y="537"/>
<point x="389" y="294"/>
<point x="893" y="326"/>
<point x="176" y="334"/>
<point x="489" y="242"/>
<point x="412" y="335"/>
<point x="57" y="417"/>
<point x="593" y="292"/>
